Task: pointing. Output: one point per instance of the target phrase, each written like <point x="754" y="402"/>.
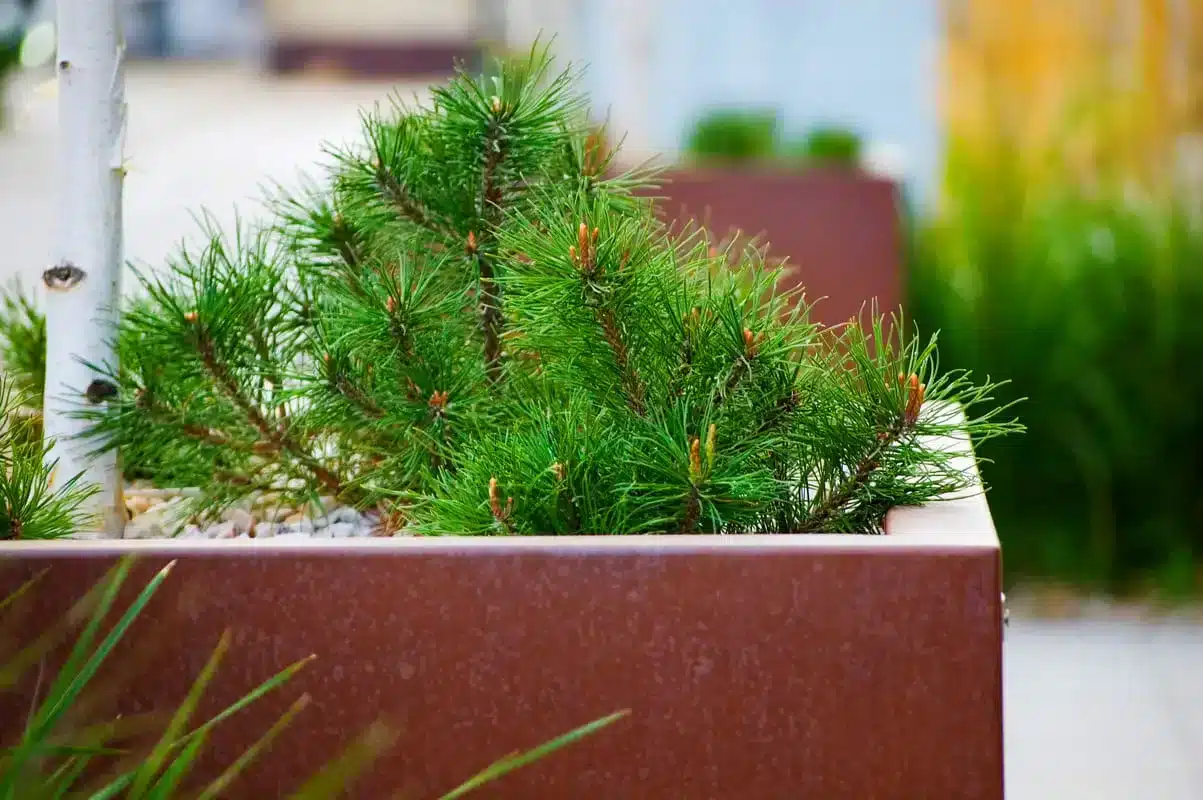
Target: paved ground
<point x="1102" y="709"/>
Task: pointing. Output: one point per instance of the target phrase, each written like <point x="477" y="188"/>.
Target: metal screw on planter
<point x="84" y="285"/>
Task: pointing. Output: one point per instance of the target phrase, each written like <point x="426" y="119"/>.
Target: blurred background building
<point x="653" y="67"/>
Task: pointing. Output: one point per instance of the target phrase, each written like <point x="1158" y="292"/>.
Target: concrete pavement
<point x="1104" y="709"/>
<point x="1096" y="708"/>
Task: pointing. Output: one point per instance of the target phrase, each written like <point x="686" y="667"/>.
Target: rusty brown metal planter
<point x="830" y="667"/>
<point x="839" y="229"/>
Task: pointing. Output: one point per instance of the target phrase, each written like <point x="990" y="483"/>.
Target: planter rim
<point x="670" y="170"/>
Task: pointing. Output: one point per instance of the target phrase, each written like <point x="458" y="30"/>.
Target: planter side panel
<point x="839" y="231"/>
<point x="750" y="674"/>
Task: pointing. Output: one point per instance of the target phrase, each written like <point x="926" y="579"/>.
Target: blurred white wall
<point x="871" y="65"/>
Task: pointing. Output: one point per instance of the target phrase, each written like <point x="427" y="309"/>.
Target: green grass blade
<point x="515" y="762"/>
<point x="165" y="787"/>
<point x="56" y="706"/>
<point x="21" y="590"/>
<point x="114" y="788"/>
<point x="106" y="591"/>
<point x="43" y="750"/>
<point x="268" y="686"/>
<point x="215" y="789"/>
<point x="179" y="721"/>
<point x="65" y="777"/>
<point x="335" y="777"/>
<point x="16" y="666"/>
<point x="72" y="677"/>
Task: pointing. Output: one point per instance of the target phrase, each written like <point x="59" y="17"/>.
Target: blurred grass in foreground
<point x="65" y="749"/>
<point x="1089" y="298"/>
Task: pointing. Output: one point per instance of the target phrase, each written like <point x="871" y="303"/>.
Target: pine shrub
<point x="473" y="324"/>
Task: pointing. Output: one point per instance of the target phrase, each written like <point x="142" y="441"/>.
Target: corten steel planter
<point x="839" y="230"/>
<point x="824" y="666"/>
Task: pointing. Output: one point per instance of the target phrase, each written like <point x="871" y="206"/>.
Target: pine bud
<point x="749" y="343"/>
<point x="559" y="471"/>
<point x="572" y="254"/>
<point x="390" y="305"/>
<point x="695" y="459"/>
<point x="711" y="435"/>
<point x="471" y="245"/>
<point x="494" y="499"/>
<point x="500" y="513"/>
<point x="190" y="316"/>
<point x="582" y="243"/>
<point x="914" y="400"/>
<point x="712" y="252"/>
<point x="495" y="104"/>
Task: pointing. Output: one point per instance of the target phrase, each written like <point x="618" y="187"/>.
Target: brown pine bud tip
<point x="901" y="378"/>
<point x="695" y="458"/>
<point x="572" y="253"/>
<point x="390" y="305"/>
<point x="326" y="357"/>
<point x="190" y="316"/>
<point x="712" y="252"/>
<point x="749" y="343"/>
<point x="471" y="245"/>
<point x="595" y="234"/>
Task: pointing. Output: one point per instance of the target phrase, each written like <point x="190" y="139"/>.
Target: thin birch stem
<point x="84" y="283"/>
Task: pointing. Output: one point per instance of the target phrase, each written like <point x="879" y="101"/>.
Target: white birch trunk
<point x="84" y="284"/>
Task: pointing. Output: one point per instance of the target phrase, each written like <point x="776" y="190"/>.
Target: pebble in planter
<point x="158" y="514"/>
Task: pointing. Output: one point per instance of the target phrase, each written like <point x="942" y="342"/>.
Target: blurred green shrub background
<point x="741" y="136"/>
<point x="1088" y="296"/>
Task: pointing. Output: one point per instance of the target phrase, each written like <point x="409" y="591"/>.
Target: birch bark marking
<point x="84" y="284"/>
